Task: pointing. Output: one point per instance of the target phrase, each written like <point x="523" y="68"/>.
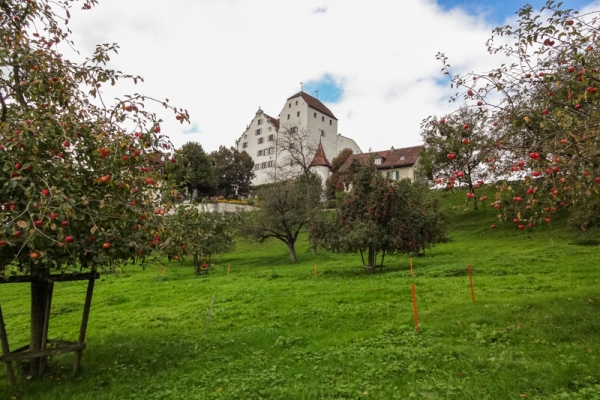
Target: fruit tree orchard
<point x="79" y="176"/>
<point x="543" y="115"/>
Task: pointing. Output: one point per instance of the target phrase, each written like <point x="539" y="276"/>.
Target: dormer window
<point x="402" y="158"/>
<point x="378" y="161"/>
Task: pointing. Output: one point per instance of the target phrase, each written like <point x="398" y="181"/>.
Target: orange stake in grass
<point x="228" y="268"/>
<point x="411" y="269"/>
<point x="414" y="296"/>
<point x="164" y="270"/>
<point x="315" y="271"/>
<point x="471" y="282"/>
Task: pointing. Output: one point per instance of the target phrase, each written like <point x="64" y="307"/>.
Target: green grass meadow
<point x="276" y="332"/>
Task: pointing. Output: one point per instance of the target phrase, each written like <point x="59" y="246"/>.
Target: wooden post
<point x="414" y="297"/>
<point x="228" y="269"/>
<point x="411" y="268"/>
<point x="10" y="372"/>
<point x="84" y="320"/>
<point x="315" y="273"/>
<point x="44" y="360"/>
<point x="471" y="282"/>
<point x="164" y="270"/>
<point x="209" y="312"/>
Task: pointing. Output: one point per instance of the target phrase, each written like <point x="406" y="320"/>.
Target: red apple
<point x="2" y="243"/>
<point x="69" y="239"/>
<point x="493" y="226"/>
<point x="65" y="223"/>
<point x="521" y="227"/>
<point x="46" y="192"/>
<point x="106" y="246"/>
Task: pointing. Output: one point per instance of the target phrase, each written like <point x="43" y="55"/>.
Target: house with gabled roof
<point x="395" y="164"/>
<point x="301" y="112"/>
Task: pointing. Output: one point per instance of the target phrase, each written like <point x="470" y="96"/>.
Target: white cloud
<point x="222" y="59"/>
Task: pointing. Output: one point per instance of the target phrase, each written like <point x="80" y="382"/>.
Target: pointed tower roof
<point x="320" y="159"/>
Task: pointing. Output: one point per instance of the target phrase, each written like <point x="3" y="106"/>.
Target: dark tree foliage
<point x="379" y="216"/>
<point x="233" y="171"/>
<point x="285" y="207"/>
<point x="193" y="170"/>
<point x="333" y="183"/>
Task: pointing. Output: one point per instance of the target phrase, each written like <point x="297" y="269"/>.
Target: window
<point x="259" y="153"/>
<point x="378" y="161"/>
<point x="290" y="105"/>
<point x="322" y="133"/>
<point x="294" y="129"/>
<point x="270" y="164"/>
<point x="315" y="115"/>
<point x="260" y="121"/>
<point x="296" y="102"/>
<point x="288" y="116"/>
<point x="260" y="140"/>
<point x="256" y="167"/>
<point x="269" y="151"/>
<point x="271" y="138"/>
<point x="322" y="119"/>
<point x="298" y="114"/>
<point x="402" y="158"/>
<point x="330" y="122"/>
<point x="258" y="132"/>
<point x="263" y="165"/>
<point x="393" y="175"/>
<point x="244" y="145"/>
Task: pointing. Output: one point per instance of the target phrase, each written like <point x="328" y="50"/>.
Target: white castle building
<point x="300" y="113"/>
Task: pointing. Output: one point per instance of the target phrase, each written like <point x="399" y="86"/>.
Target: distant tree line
<point x="225" y="172"/>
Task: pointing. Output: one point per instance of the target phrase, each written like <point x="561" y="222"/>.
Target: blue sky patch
<point x="192" y="129"/>
<point x="330" y="91"/>
<point x="496" y="11"/>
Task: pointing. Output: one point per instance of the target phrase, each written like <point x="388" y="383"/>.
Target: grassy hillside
<point x="276" y="332"/>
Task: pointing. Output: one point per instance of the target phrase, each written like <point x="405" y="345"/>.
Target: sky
<point x="372" y="62"/>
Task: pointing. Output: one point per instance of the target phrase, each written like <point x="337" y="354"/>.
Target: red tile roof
<point x="274" y="121"/>
<point x="320" y="158"/>
<point x="314" y="103"/>
<point x="389" y="158"/>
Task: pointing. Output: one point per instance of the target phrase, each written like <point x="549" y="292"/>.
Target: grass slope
<point x="277" y="333"/>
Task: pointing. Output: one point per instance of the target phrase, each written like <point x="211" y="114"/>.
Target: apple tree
<point x="455" y="150"/>
<point x="79" y="176"/>
<point x="379" y="216"/>
<point x="543" y="108"/>
<point x="190" y="231"/>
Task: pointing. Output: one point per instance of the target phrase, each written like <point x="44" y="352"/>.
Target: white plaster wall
<point x="403" y="173"/>
<point x="249" y="136"/>
<point x="344" y="142"/>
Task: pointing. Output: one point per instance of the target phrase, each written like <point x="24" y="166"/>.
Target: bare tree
<point x="295" y="152"/>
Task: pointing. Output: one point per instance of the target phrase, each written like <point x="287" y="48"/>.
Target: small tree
<point x="285" y="207"/>
<point x="456" y="148"/>
<point x="233" y="171"/>
<point x="193" y="170"/>
<point x="379" y="216"/>
<point x="189" y="231"/>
